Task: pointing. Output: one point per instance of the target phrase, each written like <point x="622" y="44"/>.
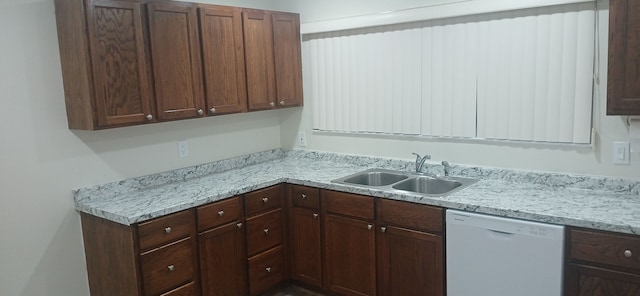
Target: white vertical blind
<point x="518" y="75"/>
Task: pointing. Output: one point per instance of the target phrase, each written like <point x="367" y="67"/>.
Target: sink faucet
<point x="447" y="167"/>
<point x="420" y="161"/>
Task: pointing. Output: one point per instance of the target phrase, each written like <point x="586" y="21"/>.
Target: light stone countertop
<point x="593" y="202"/>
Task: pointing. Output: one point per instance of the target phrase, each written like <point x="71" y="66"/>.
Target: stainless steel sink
<point x="406" y="182"/>
<point x="375" y="177"/>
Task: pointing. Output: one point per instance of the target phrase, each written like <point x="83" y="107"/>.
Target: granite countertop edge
<point x="549" y="198"/>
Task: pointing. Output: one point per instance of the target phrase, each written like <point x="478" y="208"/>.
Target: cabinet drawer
<point x="165" y="229"/>
<point x="167" y="267"/>
<point x="186" y="290"/>
<point x="305" y="197"/>
<point x="264" y="232"/>
<point x="410" y="215"/>
<point x="605" y="248"/>
<point x="263" y="199"/>
<point x="266" y="271"/>
<point x="219" y="213"/>
<point x="349" y="204"/>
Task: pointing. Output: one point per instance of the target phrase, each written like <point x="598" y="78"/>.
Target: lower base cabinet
<point x="602" y="264"/>
<point x="222" y="261"/>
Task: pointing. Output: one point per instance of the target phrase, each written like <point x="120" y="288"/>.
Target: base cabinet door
<point x="223" y="261"/>
<point x="585" y="280"/>
<point x="306" y="255"/>
<point x="409" y="262"/>
<point x="350" y="257"/>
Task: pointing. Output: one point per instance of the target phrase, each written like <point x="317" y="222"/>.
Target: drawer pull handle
<point x="369" y="226"/>
<point x="315" y="215"/>
<point x="383" y="229"/>
<point x="268" y="269"/>
<point x="265" y="199"/>
<point x="167" y="230"/>
<point x="239" y="225"/>
<point x="220" y="213"/>
<point x="171" y="267"/>
<point x="304" y="196"/>
<point x="628" y="253"/>
<point x="266" y="231"/>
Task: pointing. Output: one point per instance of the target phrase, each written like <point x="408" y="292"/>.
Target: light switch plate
<point x="302" y="139"/>
<point x="183" y="149"/>
<point x="621" y="152"/>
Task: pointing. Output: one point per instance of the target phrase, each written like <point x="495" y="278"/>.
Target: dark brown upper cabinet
<point x="223" y="57"/>
<point x="177" y="67"/>
<point x="109" y="84"/>
<point x="287" y="57"/>
<point x="273" y="62"/>
<point x="623" y="85"/>
<point x="128" y="62"/>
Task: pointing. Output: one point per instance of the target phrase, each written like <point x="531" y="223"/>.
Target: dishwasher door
<point x="495" y="256"/>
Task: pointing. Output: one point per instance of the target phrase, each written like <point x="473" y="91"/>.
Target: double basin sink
<point x="407" y="182"/>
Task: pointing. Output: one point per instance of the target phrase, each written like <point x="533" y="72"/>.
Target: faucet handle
<point x="427" y="156"/>
<point x="447" y="167"/>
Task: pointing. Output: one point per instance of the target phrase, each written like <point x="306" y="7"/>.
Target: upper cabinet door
<point x="223" y="54"/>
<point x="175" y="52"/>
<point x="122" y="86"/>
<point x="288" y="64"/>
<point x="623" y="86"/>
<point x="258" y="44"/>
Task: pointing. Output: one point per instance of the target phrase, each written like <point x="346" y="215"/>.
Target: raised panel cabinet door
<point x="306" y="254"/>
<point x="623" y="85"/>
<point x="223" y="58"/>
<point x="258" y="47"/>
<point x="121" y="78"/>
<point x="177" y="66"/>
<point x="410" y="262"/>
<point x="287" y="59"/>
<point x="350" y="256"/>
<point x="223" y="269"/>
<point x="585" y="280"/>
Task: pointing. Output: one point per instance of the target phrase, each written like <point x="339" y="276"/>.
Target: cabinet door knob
<point x="281" y="103"/>
<point x="212" y="110"/>
<point x="266" y="231"/>
<point x="272" y="104"/>
<point x="268" y="269"/>
<point x="149" y="117"/>
<point x="200" y="112"/>
<point x="171" y="267"/>
<point x="315" y="215"/>
<point x="265" y="199"/>
<point x="383" y="229"/>
<point x="303" y="196"/>
<point x="628" y="253"/>
<point x="167" y="230"/>
<point x="369" y="226"/>
<point x="220" y="213"/>
<point x="239" y="225"/>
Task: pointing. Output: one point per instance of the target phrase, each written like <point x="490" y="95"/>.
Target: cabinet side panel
<point x="103" y="242"/>
<point x="74" y="57"/>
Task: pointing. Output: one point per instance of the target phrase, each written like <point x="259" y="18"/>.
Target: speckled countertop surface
<point x="600" y="203"/>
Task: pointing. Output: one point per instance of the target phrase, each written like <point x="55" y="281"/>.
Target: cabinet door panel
<point x="177" y="69"/>
<point x="410" y="262"/>
<point x="288" y="66"/>
<point x="258" y="44"/>
<point x="593" y="281"/>
<point x="623" y="85"/>
<point x="122" y="84"/>
<point x="306" y="257"/>
<point x="223" y="53"/>
<point x="223" y="261"/>
<point x="350" y="258"/>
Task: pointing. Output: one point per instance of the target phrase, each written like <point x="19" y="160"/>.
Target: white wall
<point x="596" y="161"/>
<point x="41" y="161"/>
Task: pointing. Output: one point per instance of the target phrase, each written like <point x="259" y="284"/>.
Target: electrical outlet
<point x="302" y="139"/>
<point x="183" y="149"/>
<point x="621" y="152"/>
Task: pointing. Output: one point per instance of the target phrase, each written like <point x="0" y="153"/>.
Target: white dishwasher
<point x="495" y="256"/>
